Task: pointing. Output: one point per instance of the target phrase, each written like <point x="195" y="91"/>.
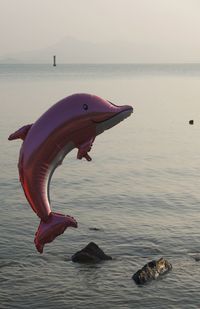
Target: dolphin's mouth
<point x="108" y="123"/>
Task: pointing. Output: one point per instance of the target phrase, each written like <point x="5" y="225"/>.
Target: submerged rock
<point x="152" y="271"/>
<point x="94" y="229"/>
<point x="90" y="254"/>
<point x="197" y="258"/>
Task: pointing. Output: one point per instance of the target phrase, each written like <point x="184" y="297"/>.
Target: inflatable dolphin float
<point x="73" y="122"/>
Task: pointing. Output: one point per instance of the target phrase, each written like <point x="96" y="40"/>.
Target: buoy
<point x="54" y="61"/>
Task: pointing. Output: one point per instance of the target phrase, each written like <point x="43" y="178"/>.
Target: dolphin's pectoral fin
<point x="84" y="149"/>
<point x="21" y="133"/>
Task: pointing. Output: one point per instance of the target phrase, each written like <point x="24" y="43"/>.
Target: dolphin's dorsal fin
<point x="21" y="133"/>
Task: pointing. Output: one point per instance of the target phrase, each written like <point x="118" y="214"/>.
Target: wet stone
<point x="90" y="254"/>
<point x="197" y="258"/>
<point x="94" y="229"/>
<point x="152" y="271"/>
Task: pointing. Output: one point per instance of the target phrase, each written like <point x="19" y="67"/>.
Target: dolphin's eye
<point x="85" y="107"/>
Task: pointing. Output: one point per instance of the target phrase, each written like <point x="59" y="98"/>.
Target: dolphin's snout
<point x="113" y="117"/>
<point x="121" y="112"/>
<point x="120" y="108"/>
<point x="124" y="108"/>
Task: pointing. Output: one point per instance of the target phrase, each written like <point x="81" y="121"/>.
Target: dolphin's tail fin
<point x="20" y="133"/>
<point x="49" y="230"/>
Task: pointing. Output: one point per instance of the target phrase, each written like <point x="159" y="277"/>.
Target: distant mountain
<point x="71" y="50"/>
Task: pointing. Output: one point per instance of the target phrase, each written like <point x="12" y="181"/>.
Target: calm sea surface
<point x="142" y="190"/>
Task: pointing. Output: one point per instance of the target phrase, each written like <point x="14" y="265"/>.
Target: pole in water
<point x="54" y="61"/>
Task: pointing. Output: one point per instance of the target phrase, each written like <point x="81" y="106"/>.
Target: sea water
<point x="141" y="190"/>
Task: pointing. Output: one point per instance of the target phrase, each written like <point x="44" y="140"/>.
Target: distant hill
<point x="71" y="50"/>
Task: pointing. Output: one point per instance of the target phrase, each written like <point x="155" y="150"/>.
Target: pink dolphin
<point x="73" y="122"/>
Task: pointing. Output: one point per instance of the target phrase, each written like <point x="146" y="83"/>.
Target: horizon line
<point x="99" y="63"/>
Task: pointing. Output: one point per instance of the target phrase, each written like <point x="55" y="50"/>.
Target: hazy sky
<point x="169" y="26"/>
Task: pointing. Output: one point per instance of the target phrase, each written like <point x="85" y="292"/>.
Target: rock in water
<point x="197" y="258"/>
<point x="152" y="271"/>
<point x="94" y="229"/>
<point x="90" y="254"/>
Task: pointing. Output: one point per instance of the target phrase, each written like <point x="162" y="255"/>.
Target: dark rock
<point x="152" y="271"/>
<point x="94" y="229"/>
<point x="90" y="254"/>
<point x="191" y="121"/>
<point x="197" y="258"/>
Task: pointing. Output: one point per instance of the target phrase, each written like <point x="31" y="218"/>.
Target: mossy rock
<point x="152" y="271"/>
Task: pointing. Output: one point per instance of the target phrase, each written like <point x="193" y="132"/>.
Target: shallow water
<point x="141" y="190"/>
